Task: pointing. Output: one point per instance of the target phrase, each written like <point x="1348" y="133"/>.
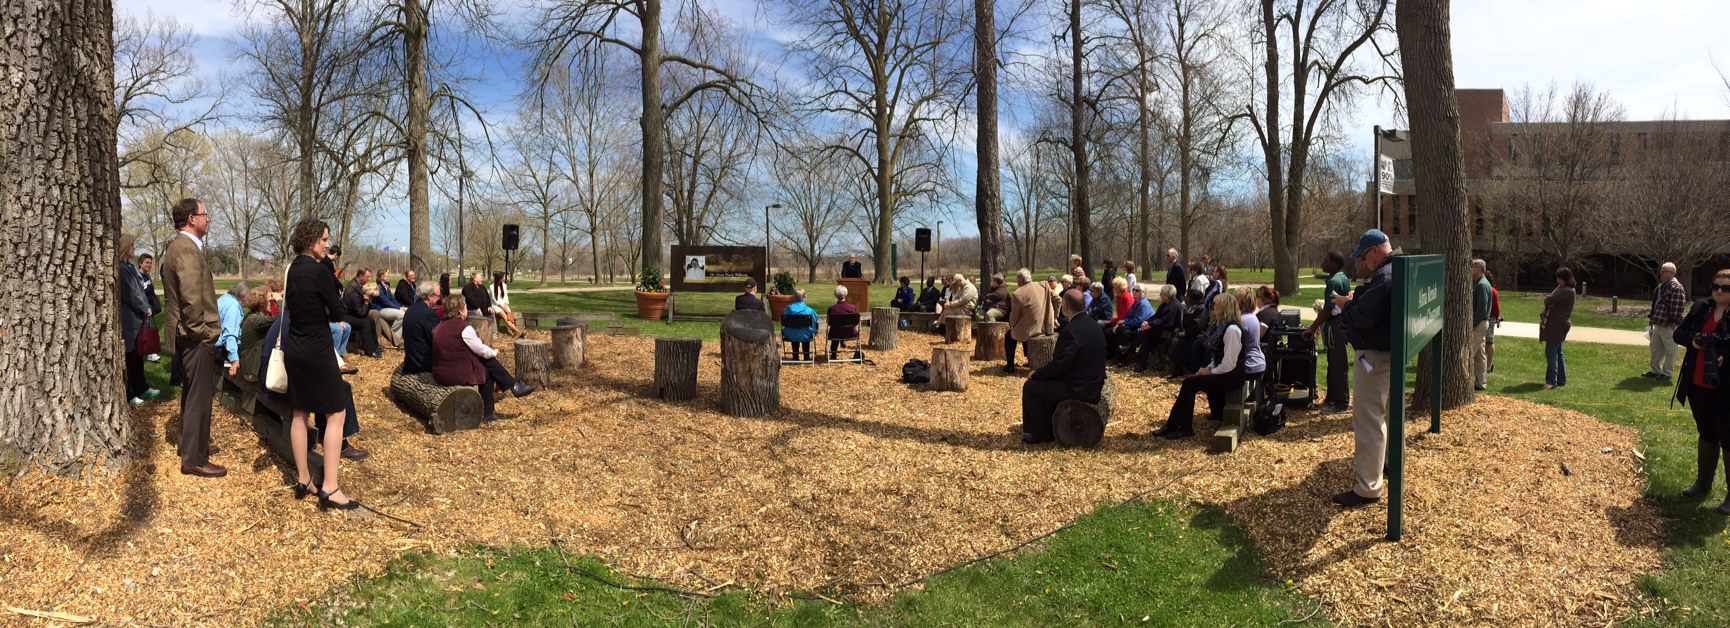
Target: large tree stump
<point x="676" y="367"/>
<point x="949" y="369"/>
<point x="485" y="327"/>
<point x="569" y="344"/>
<point x="1039" y="350"/>
<point x="1080" y="424"/>
<point x="885" y="328"/>
<point x="535" y="363"/>
<point x="988" y="343"/>
<point x="445" y="409"/>
<point x="750" y="364"/>
<point x="957" y="328"/>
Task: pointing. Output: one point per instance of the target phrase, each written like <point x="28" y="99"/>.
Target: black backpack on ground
<point x="1269" y="419"/>
<point x="916" y="371"/>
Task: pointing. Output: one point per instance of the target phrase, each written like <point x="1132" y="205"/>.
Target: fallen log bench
<point x="270" y="417"/>
<point x="444" y="409"/>
<point x="1077" y="423"/>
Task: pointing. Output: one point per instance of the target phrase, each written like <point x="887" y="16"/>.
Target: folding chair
<point x="858" y="349"/>
<point x="796" y="322"/>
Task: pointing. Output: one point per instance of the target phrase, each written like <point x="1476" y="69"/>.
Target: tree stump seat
<point x="676" y="368"/>
<point x="1040" y="350"/>
<point x="988" y="343"/>
<point x="444" y="409"/>
<point x="949" y="369"/>
<point x="570" y="343"/>
<point x="885" y="328"/>
<point x="957" y="328"/>
<point x="750" y="364"/>
<point x="1080" y="424"/>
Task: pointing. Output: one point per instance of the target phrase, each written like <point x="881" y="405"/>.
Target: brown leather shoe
<point x="355" y="454"/>
<point x="209" y="470"/>
<point x="213" y="450"/>
<point x="350" y="370"/>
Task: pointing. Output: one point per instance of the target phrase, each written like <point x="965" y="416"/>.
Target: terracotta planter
<point x="650" y="305"/>
<point x="777" y="304"/>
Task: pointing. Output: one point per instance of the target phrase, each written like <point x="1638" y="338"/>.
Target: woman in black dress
<point x="314" y="382"/>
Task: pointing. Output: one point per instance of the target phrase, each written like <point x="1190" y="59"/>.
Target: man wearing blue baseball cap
<point x="1366" y="315"/>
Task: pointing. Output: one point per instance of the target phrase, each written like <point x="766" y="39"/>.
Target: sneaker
<point x="1480" y="387"/>
<point x="150" y="393"/>
<point x="1650" y="375"/>
<point x="1351" y="499"/>
<point x="1336" y="410"/>
<point x="153" y="357"/>
<point x="135" y="401"/>
<point x="1549" y="387"/>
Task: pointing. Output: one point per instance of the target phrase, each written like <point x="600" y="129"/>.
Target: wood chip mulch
<point x="1517" y="514"/>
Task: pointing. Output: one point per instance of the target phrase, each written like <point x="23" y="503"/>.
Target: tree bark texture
<point x="949" y="369"/>
<point x="61" y="397"/>
<point x="535" y="363"/>
<point x="676" y="367"/>
<point x="415" y="149"/>
<point x="1081" y="210"/>
<point x="485" y="327"/>
<point x="445" y="409"/>
<point x="569" y="345"/>
<point x="750" y="364"/>
<point x="885" y="328"/>
<point x="988" y="343"/>
<point x="1272" y="153"/>
<point x="1426" y="50"/>
<point x="1081" y="424"/>
<point x="1040" y="350"/>
<point x="987" y="187"/>
<point x="957" y="328"/>
<point x="653" y="127"/>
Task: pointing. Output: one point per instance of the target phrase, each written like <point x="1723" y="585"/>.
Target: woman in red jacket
<point x="1123" y="300"/>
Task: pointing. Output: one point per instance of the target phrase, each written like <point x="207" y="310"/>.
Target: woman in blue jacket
<point x="801" y="338"/>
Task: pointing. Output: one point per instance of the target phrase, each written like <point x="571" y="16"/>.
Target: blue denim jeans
<point x="339" y="333"/>
<point x="1555" y="367"/>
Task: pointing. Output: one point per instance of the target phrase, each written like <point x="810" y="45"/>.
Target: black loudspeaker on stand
<point x="511" y="239"/>
<point x="922" y="240"/>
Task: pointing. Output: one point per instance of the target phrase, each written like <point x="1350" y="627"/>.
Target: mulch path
<point x="1517" y="514"/>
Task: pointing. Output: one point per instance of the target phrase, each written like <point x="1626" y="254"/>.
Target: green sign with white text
<point x="1418" y="300"/>
<point x="1417" y="322"/>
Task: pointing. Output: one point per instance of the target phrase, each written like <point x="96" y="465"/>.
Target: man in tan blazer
<point x="192" y="325"/>
<point x="1030" y="316"/>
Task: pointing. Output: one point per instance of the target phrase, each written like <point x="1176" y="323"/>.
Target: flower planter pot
<point x="650" y="305"/>
<point x="777" y="304"/>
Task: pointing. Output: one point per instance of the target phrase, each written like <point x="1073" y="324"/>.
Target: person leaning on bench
<point x="461" y="359"/>
<point x="1076" y="371"/>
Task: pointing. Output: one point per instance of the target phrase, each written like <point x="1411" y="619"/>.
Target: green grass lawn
<point x="1178" y="563"/>
<point x="1526" y="306"/>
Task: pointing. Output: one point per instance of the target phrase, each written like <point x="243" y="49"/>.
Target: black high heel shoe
<point x="302" y="490"/>
<point x="324" y="503"/>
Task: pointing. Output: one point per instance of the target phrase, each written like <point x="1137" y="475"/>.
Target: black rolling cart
<point x="1291" y="362"/>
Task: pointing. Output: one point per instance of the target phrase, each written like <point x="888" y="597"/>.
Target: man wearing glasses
<point x="190" y="331"/>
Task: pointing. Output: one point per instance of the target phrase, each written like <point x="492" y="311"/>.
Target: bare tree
<point x="236" y="169"/>
<point x="812" y="189"/>
<point x="1554" y="169"/>
<point x="60" y="352"/>
<point x="1203" y="123"/>
<point x="533" y="181"/>
<point x="1426" y="50"/>
<point x="574" y="99"/>
<point x="1029" y="210"/>
<point x="151" y="186"/>
<point x="713" y="140"/>
<point x="1671" y="194"/>
<point x="157" y="90"/>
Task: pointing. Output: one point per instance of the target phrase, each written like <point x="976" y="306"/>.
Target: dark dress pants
<point x="1709" y="420"/>
<point x="199" y="361"/>
<point x="1009" y="350"/>
<point x="497" y="379"/>
<point x="135" y="381"/>
<point x="1214" y="386"/>
<point x="1339" y="392"/>
<point x="1150" y="341"/>
<point x="1039" y="399"/>
<point x="363" y="332"/>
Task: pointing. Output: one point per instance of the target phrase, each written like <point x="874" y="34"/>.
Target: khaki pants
<point x="993" y="315"/>
<point x="1370" y="421"/>
<point x="1480" y="362"/>
<point x="1663" y="350"/>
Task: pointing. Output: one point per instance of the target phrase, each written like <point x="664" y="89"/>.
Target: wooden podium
<point x="858" y="293"/>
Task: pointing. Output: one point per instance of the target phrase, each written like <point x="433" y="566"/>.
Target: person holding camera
<point x="1707" y="338"/>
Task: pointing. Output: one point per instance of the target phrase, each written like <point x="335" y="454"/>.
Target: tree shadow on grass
<point x="1521" y="389"/>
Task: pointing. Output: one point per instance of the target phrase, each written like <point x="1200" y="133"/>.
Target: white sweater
<point x="1228" y="355"/>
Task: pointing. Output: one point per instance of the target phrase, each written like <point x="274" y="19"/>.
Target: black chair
<point x="795" y="322"/>
<point x="858" y="349"/>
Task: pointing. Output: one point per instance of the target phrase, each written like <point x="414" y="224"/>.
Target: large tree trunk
<point x="1427" y="53"/>
<point x="1081" y="211"/>
<point x="886" y="189"/>
<point x="987" y="192"/>
<point x="654" y="127"/>
<point x="419" y="209"/>
<point x="61" y="383"/>
<point x="1271" y="154"/>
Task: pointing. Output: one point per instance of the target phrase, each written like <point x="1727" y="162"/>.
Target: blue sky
<point x="1651" y="57"/>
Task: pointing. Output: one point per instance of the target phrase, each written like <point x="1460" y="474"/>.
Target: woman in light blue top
<point x="801" y="338"/>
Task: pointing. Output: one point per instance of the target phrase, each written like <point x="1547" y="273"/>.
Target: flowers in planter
<point x="651" y="280"/>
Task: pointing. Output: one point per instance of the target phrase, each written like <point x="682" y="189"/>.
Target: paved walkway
<point x="1597" y="335"/>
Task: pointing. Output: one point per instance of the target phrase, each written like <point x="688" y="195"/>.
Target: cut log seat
<point x="444" y="409"/>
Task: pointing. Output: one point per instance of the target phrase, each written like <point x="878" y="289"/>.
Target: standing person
<point x="1698" y="387"/>
<point x="996" y="304"/>
<point x="1076" y="371"/>
<point x="1224" y="375"/>
<point x="331" y="262"/>
<point x="1030" y="316"/>
<point x="1366" y="315"/>
<point x="404" y="293"/>
<point x="1174" y="276"/>
<point x="1332" y="327"/>
<point x="146" y="263"/>
<point x="1207" y="265"/>
<point x="315" y="384"/>
<point x="1553" y="326"/>
<point x="192" y="324"/>
<point x="1108" y="272"/>
<point x="852" y="269"/>
<point x="135" y="313"/>
<point x="1129" y="274"/>
<point x="1475" y="341"/>
<point x="748" y="300"/>
<point x="1668" y="299"/>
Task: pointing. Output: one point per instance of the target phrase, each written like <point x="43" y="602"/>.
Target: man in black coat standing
<point x="1076" y="371"/>
<point x="417" y="329"/>
<point x="1175" y="276"/>
<point x="852" y="269"/>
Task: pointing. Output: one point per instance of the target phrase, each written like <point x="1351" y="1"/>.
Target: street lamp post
<point x="768" y="247"/>
<point x="937" y="244"/>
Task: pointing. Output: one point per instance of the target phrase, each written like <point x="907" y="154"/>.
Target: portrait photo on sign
<point x="696" y="268"/>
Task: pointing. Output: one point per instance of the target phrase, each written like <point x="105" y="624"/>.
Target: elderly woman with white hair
<point x="801" y="337"/>
<point x="839" y="334"/>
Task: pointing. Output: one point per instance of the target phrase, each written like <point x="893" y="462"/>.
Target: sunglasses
<point x="1721" y="287"/>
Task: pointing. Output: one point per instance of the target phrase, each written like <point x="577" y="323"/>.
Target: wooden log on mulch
<point x="949" y="369"/>
<point x="1080" y="424"/>
<point x="569" y="344"/>
<point x="676" y="368"/>
<point x="750" y="364"/>
<point x="1039" y="350"/>
<point x="485" y="327"/>
<point x="535" y="363"/>
<point x="988" y="343"/>
<point x="957" y="328"/>
<point x="885" y="328"/>
<point x="445" y="409"/>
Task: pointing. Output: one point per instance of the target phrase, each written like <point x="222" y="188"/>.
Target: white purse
<point x="276" y="372"/>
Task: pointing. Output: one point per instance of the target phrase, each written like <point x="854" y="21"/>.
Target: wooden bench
<point x="272" y="419"/>
<point x="1240" y="407"/>
<point x="921" y="321"/>
<point x="534" y="320"/>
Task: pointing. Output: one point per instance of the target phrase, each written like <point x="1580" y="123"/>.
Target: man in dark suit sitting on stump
<point x="1076" y="371"/>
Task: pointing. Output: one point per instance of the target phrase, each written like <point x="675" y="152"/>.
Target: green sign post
<point x="1417" y="323"/>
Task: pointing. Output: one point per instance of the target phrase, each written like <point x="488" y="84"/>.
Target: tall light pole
<point x="768" y="247"/>
<point x="937" y="244"/>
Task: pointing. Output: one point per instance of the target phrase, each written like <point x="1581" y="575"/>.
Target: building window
<point x="1616" y="149"/>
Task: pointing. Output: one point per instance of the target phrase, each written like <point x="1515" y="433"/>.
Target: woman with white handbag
<point x="308" y="362"/>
